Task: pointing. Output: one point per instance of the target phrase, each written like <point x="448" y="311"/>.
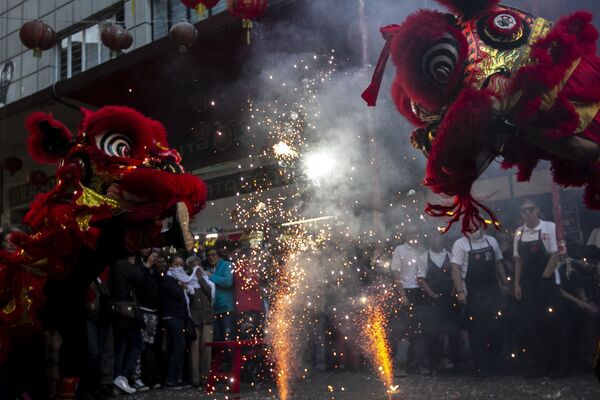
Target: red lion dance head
<point x="117" y="182"/>
<point x="487" y="81"/>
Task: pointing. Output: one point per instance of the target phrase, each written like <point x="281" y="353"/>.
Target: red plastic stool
<point x="233" y="377"/>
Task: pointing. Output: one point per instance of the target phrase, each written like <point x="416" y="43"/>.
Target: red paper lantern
<point x="183" y="34"/>
<point x="37" y="36"/>
<point x="128" y="40"/>
<point x="12" y="164"/>
<point x="116" y="38"/>
<point x="37" y="178"/>
<point x="247" y="10"/>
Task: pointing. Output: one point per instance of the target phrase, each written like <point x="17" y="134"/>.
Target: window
<point x="83" y="49"/>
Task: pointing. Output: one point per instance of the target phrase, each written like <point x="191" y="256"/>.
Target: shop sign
<point x="241" y="182"/>
<point x="22" y="195"/>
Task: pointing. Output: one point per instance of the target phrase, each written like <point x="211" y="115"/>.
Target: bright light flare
<point x="318" y="165"/>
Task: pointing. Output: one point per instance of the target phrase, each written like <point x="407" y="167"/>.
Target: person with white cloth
<point x="174" y="312"/>
<point x="203" y="317"/>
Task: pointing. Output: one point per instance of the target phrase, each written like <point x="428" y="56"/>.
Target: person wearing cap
<point x="537" y="287"/>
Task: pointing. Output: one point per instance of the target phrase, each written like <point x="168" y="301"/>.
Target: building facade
<point x="181" y="90"/>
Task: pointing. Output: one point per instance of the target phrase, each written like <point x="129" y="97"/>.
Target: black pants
<point x="442" y="322"/>
<point x="150" y="365"/>
<point x="128" y="346"/>
<point x="484" y="324"/>
<point x="176" y="349"/>
<point x="98" y="331"/>
<point x="408" y="329"/>
<point x="545" y="325"/>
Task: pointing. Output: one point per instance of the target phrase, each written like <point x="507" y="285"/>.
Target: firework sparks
<point x="282" y="126"/>
<point x="374" y="330"/>
<point x="310" y="257"/>
<point x="281" y="324"/>
<point x="284" y="152"/>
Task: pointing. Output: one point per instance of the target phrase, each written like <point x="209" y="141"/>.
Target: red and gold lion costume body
<point x="487" y="81"/>
<point x="116" y="182"/>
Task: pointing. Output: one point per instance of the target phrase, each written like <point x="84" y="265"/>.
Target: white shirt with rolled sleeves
<point x="545" y="230"/>
<point x="405" y="261"/>
<point x="461" y="249"/>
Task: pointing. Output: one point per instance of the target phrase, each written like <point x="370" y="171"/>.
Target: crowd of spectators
<point x="162" y="309"/>
<point x="489" y="303"/>
<point x="514" y="303"/>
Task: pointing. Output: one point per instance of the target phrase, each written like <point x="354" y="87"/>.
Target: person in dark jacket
<point x="99" y="320"/>
<point x="125" y="281"/>
<point x="173" y="311"/>
<point x="147" y="368"/>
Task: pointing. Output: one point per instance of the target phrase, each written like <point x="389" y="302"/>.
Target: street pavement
<point x="364" y="386"/>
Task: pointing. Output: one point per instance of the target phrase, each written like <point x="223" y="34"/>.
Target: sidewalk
<point x="362" y="386"/>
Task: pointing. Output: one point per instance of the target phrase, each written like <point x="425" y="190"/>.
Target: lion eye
<point x="114" y="144"/>
<point x="440" y="60"/>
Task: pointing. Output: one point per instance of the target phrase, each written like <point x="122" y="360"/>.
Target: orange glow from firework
<point x="379" y="349"/>
<point x="282" y="346"/>
<point x="281" y="323"/>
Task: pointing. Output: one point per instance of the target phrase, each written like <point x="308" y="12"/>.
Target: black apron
<point x="484" y="299"/>
<point x="534" y="258"/>
<point x="439" y="278"/>
<point x="539" y="295"/>
<point x="445" y="312"/>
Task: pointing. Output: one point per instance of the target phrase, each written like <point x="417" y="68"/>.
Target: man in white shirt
<point x="435" y="278"/>
<point x="476" y="273"/>
<point x="408" y="325"/>
<point x="536" y="285"/>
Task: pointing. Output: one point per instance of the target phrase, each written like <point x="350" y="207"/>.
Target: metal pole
<point x="558" y="219"/>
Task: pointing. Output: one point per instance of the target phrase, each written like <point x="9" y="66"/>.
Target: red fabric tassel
<point x="467" y="208"/>
<point x="372" y="92"/>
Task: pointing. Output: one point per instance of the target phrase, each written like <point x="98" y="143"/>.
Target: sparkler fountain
<point x="378" y="348"/>
<point x="311" y="242"/>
